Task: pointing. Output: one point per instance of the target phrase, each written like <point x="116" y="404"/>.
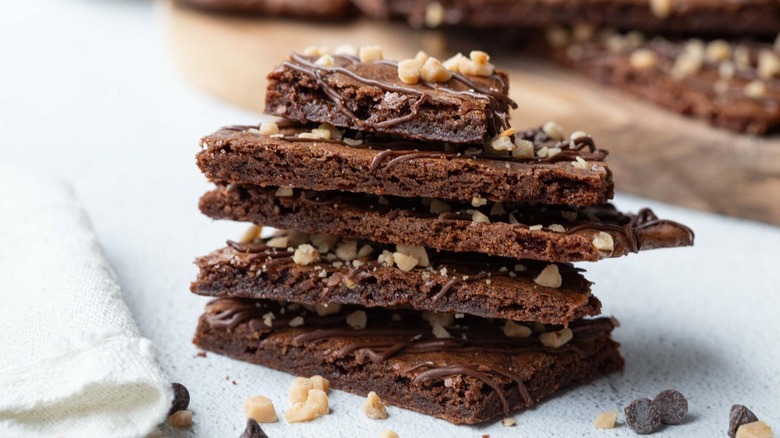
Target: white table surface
<point x="87" y="92"/>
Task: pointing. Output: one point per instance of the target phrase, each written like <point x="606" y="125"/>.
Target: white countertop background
<point x="87" y="92"/>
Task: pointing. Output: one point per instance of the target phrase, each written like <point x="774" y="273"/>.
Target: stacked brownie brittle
<point x="424" y="247"/>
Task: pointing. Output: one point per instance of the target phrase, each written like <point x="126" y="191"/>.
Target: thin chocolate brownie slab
<point x="735" y="86"/>
<point x="556" y="234"/>
<point x="711" y="17"/>
<point x="555" y="172"/>
<point x="370" y="97"/>
<point x="465" y="371"/>
<point x="358" y="272"/>
<point x="320" y="9"/>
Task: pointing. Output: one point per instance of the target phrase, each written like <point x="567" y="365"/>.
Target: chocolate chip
<point x="739" y="415"/>
<point x="643" y="416"/>
<point x="672" y="405"/>
<point x="253" y="430"/>
<point x="181" y="398"/>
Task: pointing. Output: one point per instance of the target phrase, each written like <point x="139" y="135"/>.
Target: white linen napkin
<point x="72" y="361"/>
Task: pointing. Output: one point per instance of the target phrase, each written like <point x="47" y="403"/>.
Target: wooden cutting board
<point x="653" y="153"/>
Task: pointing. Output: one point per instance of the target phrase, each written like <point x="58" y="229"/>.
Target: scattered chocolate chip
<point x="739" y="415"/>
<point x="253" y="430"/>
<point x="643" y="416"/>
<point x="181" y="398"/>
<point x="672" y="405"/>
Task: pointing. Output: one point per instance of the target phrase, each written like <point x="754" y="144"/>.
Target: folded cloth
<point x="72" y="360"/>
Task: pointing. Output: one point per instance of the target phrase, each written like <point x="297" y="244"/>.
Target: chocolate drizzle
<point x="409" y="336"/>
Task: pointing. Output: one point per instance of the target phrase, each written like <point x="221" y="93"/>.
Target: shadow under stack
<point x="427" y="245"/>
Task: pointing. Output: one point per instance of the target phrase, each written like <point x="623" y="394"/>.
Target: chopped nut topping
<point x="269" y="128"/>
<point x="357" y="319"/>
<point x="478" y="202"/>
<point x="479" y="57"/>
<point x="524" y="149"/>
<point x="309" y="136"/>
<point x="515" y="330"/>
<point x="251" y="234"/>
<point x="717" y="51"/>
<point x="508" y="422"/>
<point x="387" y="433"/>
<point x="553" y="130"/>
<point x="756" y="429"/>
<point x="181" y="419"/>
<point x="365" y="251"/>
<point x="315" y="405"/>
<point x="278" y="242"/>
<point x="434" y="71"/>
<point x="374" y="407"/>
<point x="421" y="57"/>
<point x="346" y="49"/>
<point x="314" y="51"/>
<point x="439" y="318"/>
<point x="324" y="242"/>
<point x="453" y="63"/>
<point x="325" y="61"/>
<point x="299" y="389"/>
<point x="551" y="152"/>
<point x="549" y="277"/>
<point x="471" y="68"/>
<point x="434" y="14"/>
<point x="479" y="217"/>
<point x="661" y="8"/>
<point x="604" y="243"/>
<point x="440" y="332"/>
<point x="417" y="252"/>
<point x="558" y="228"/>
<point x="319" y="400"/>
<point x="583" y="32"/>
<point x="352" y="142"/>
<point x="643" y="59"/>
<point x="268" y="319"/>
<point x="537" y="227"/>
<point x="260" y="409"/>
<point x="634" y="39"/>
<point x="689" y="62"/>
<point x="296" y="322"/>
<point x="742" y="57"/>
<point x="557" y="37"/>
<point x="556" y="339"/>
<point x="386" y="258"/>
<point x="319" y="382"/>
<point x="579" y="163"/>
<point x="327" y="309"/>
<point x="347" y="250"/>
<point x="370" y="53"/>
<point x="497" y="209"/>
<point x="409" y="71"/>
<point x="502" y="143"/>
<point x="438" y="206"/>
<point x="284" y="192"/>
<point x="301" y="412"/>
<point x="768" y="64"/>
<point x="333" y="132"/>
<point x="576" y="135"/>
<point x="606" y="420"/>
<point x="405" y="262"/>
<point x="306" y="254"/>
